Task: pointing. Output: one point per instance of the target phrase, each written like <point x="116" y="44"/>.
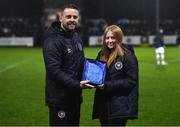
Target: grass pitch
<point x="22" y="78"/>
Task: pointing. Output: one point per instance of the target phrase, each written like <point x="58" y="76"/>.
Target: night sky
<point x="109" y="9"/>
<point x="131" y="9"/>
<point x="20" y="8"/>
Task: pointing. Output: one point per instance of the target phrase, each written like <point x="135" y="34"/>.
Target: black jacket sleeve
<point x="52" y="52"/>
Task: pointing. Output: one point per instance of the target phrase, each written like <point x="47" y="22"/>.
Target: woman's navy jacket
<point x="120" y="96"/>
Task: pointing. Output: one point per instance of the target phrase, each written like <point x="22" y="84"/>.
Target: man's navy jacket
<point x="64" y="57"/>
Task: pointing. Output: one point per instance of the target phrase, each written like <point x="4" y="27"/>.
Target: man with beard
<point x="64" y="57"/>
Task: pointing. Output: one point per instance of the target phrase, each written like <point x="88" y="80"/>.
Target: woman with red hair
<point x="116" y="100"/>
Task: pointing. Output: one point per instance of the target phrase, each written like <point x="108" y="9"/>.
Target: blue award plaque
<point x="94" y="71"/>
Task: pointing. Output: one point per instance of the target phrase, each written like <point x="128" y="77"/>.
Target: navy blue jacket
<point x="120" y="96"/>
<point x="64" y="57"/>
<point x="158" y="40"/>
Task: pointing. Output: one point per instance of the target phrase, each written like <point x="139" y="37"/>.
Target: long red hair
<point x="108" y="56"/>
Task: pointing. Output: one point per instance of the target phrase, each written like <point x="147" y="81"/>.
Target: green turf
<point x="22" y="76"/>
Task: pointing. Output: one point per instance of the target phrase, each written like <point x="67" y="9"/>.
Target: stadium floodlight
<point x="157" y="15"/>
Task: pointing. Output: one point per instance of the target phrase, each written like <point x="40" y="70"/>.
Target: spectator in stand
<point x="178" y="40"/>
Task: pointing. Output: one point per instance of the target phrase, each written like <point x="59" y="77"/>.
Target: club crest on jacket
<point x="61" y="114"/>
<point x="118" y="65"/>
<point x="69" y="51"/>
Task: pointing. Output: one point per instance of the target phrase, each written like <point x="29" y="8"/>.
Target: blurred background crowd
<point x="30" y="18"/>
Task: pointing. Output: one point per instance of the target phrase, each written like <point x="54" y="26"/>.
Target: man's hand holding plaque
<point x="85" y="85"/>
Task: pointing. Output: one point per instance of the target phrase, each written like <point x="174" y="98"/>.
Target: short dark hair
<point x="72" y="6"/>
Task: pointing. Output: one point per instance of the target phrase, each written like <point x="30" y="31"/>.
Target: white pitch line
<point x="13" y="65"/>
